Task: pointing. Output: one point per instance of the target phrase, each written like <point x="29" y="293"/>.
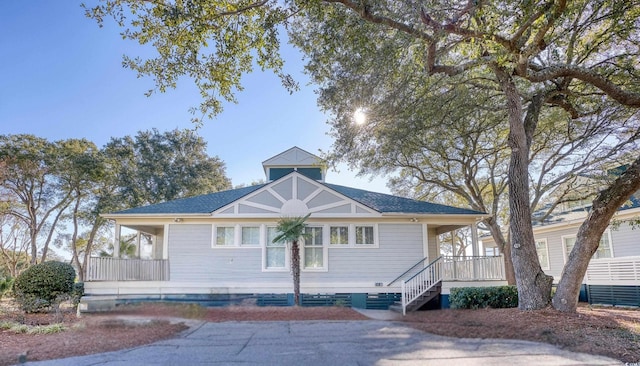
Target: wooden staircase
<point x="420" y="301"/>
<point x="420" y="288"/>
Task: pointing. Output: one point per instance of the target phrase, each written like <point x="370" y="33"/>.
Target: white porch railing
<point x="621" y="271"/>
<point x="473" y="268"/>
<point x="421" y="282"/>
<point x="118" y="269"/>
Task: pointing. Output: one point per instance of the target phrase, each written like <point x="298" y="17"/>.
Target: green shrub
<point x="5" y="286"/>
<point x="40" y="285"/>
<point x="77" y="292"/>
<point x="483" y="297"/>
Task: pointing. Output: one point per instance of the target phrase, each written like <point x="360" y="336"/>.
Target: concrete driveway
<point x="330" y="343"/>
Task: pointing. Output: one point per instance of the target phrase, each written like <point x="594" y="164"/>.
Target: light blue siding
<point x="192" y="259"/>
<point x="626" y="241"/>
<point x="400" y="248"/>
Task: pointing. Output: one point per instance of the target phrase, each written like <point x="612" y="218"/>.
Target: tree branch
<point x="366" y="14"/>
<point x="622" y="96"/>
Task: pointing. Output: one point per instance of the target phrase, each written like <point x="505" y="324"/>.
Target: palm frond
<point x="291" y="229"/>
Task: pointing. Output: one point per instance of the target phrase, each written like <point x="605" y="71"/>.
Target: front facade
<point x="361" y="249"/>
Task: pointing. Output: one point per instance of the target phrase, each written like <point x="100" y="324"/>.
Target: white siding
<point x="625" y="240"/>
<point x="400" y="247"/>
<point x="556" y="251"/>
<point x="192" y="259"/>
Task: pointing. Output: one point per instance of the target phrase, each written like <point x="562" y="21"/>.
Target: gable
<point x="295" y="195"/>
<point x="294" y="159"/>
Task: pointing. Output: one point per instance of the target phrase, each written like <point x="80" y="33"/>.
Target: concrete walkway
<point x="332" y="343"/>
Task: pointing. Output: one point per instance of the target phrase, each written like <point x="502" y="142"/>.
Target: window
<point x="339" y="235"/>
<point x="275" y="252"/>
<point x="313" y="249"/>
<point x="364" y="235"/>
<point x="250" y="236"/>
<point x="543" y="253"/>
<point x="568" y="243"/>
<point x="225" y="236"/>
<point x="604" y="249"/>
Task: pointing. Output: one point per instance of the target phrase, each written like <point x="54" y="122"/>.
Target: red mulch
<point x="604" y="331"/>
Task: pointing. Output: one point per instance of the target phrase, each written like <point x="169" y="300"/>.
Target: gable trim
<point x="298" y="202"/>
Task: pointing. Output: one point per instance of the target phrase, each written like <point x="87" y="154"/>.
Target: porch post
<point x="138" y="244"/>
<point x="474" y="247"/>
<point x="453" y="254"/>
<point x="116" y="242"/>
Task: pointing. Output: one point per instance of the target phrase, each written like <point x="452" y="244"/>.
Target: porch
<point x="424" y="282"/>
<point x="453" y="269"/>
<point x="614" y="281"/>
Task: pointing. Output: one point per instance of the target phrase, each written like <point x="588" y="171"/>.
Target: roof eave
<point x="155" y="215"/>
<point x="478" y="216"/>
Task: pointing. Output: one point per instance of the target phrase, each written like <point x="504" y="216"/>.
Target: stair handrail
<point x="411" y="269"/>
<point x="424" y="269"/>
<point x="412" y="293"/>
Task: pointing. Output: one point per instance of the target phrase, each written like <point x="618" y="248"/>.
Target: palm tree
<point x="291" y="230"/>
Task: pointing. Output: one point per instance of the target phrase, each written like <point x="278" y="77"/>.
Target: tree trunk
<point x="588" y="238"/>
<point x="498" y="237"/>
<point x="33" y="235"/>
<point x="45" y="248"/>
<point x="295" y="270"/>
<point x="534" y="286"/>
<point x="87" y="253"/>
<point x="74" y="237"/>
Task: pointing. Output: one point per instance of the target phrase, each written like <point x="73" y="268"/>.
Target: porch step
<point x="420" y="301"/>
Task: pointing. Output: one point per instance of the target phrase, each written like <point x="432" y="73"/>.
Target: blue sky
<point x="61" y="77"/>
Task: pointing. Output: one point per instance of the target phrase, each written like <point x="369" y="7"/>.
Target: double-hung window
<point x="543" y="253"/>
<point x="250" y="236"/>
<point x="339" y="235"/>
<point x="313" y="248"/>
<point x="225" y="236"/>
<point x="275" y="252"/>
<point x="364" y="235"/>
<point x="604" y="249"/>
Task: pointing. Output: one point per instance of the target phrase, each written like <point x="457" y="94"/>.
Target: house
<point x="613" y="275"/>
<point x="365" y="249"/>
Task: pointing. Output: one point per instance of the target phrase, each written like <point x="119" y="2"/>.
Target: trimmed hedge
<point x="483" y="297"/>
<point x="42" y="284"/>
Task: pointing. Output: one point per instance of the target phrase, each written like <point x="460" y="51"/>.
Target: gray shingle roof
<point x="383" y="203"/>
<point x="582" y="212"/>
<point x="205" y="203"/>
<point x="386" y="203"/>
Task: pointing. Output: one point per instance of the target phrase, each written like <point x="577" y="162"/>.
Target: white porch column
<point x="116" y="243"/>
<point x="474" y="240"/>
<point x="138" y="244"/>
<point x="453" y="244"/>
<point x="475" y="249"/>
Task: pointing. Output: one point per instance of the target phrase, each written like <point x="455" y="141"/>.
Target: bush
<point x="40" y="285"/>
<point x="77" y="292"/>
<point x="483" y="297"/>
<point x="6" y="284"/>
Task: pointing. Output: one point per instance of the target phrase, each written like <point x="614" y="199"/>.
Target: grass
<point x="32" y="329"/>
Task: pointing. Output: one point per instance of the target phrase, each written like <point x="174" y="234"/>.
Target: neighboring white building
<point x="613" y="276"/>
<point x="364" y="247"/>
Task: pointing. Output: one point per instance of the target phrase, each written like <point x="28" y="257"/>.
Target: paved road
<point x="330" y="343"/>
